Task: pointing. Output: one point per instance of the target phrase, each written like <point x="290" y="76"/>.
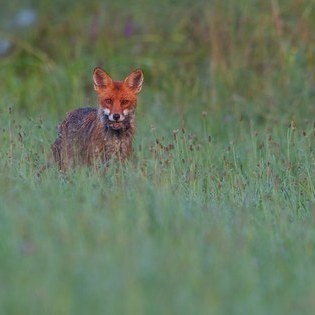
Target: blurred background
<point x="217" y="203"/>
<point x="219" y="56"/>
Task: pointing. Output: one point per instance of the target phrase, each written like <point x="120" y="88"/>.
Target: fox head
<point x="117" y="99"/>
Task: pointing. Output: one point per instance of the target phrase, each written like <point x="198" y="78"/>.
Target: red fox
<point x="105" y="132"/>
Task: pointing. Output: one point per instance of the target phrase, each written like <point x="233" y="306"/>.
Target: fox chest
<point x="113" y="147"/>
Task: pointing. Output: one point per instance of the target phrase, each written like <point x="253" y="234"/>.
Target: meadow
<point x="214" y="213"/>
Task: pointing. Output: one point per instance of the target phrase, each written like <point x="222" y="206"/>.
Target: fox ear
<point x="101" y="78"/>
<point x="134" y="80"/>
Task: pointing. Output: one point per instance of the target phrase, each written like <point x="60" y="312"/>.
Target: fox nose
<point x="116" y="117"/>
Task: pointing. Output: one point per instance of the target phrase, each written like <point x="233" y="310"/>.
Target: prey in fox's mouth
<point x="116" y="125"/>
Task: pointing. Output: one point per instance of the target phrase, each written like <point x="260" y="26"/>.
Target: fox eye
<point x="124" y="102"/>
<point x="108" y="101"/>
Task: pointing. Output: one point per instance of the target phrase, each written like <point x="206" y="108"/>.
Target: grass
<point x="214" y="214"/>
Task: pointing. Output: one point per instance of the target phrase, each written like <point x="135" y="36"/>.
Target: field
<point x="214" y="213"/>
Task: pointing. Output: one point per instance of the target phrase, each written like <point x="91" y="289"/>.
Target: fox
<point x="103" y="133"/>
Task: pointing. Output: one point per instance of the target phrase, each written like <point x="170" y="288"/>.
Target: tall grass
<point x="214" y="214"/>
